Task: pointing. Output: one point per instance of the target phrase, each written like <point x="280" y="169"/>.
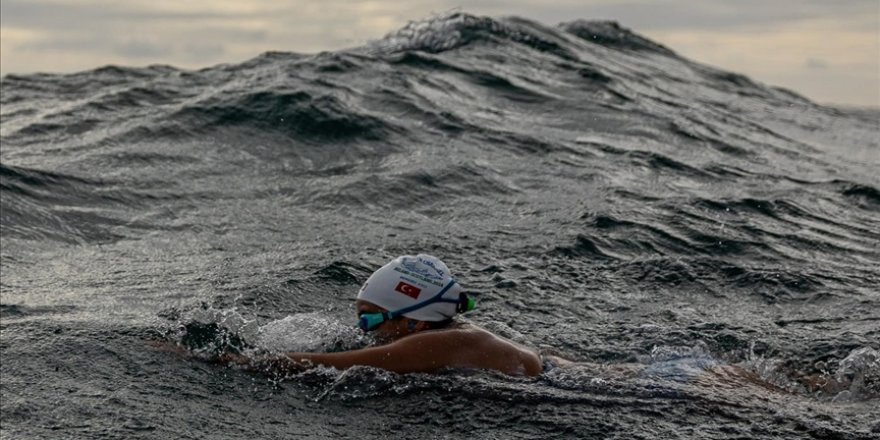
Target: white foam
<point x="308" y="332"/>
<point x="860" y="371"/>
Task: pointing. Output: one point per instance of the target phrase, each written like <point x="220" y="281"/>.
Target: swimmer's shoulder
<point x="480" y="348"/>
<point x="465" y="332"/>
<point x="457" y="332"/>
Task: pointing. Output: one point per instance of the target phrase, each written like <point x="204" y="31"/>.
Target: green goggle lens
<point x="465" y="304"/>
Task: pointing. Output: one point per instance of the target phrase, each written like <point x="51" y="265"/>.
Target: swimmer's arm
<point x="427" y="352"/>
<point x="397" y="357"/>
<point x="414" y="354"/>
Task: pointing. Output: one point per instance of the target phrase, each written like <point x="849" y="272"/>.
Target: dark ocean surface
<point x="707" y="246"/>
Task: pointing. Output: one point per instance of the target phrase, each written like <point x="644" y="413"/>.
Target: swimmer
<point x="410" y="305"/>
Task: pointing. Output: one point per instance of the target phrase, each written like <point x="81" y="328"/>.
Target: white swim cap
<point x="407" y="281"/>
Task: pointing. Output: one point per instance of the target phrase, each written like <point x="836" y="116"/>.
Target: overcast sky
<point x="826" y="50"/>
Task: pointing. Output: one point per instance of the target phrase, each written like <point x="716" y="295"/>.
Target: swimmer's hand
<point x="276" y="364"/>
<point x="169" y="347"/>
<point x="226" y="357"/>
<point x="232" y="359"/>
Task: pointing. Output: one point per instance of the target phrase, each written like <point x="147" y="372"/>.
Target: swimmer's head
<point x="417" y="287"/>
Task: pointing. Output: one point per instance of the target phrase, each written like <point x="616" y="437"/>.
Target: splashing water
<point x="309" y="332"/>
<point x="860" y="373"/>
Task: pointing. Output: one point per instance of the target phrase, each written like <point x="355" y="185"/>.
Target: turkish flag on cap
<point x="408" y="290"/>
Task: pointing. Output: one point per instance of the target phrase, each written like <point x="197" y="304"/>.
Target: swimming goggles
<point x="369" y="321"/>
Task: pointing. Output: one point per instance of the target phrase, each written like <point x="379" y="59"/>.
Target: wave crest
<point x="613" y="35"/>
<point x="455" y="29"/>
